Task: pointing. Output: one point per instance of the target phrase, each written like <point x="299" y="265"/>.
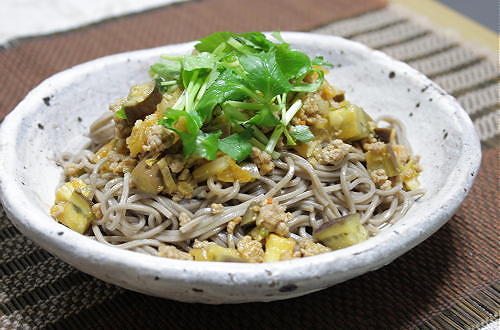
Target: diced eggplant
<point x="141" y="101"/>
<point x="224" y="169"/>
<point x="211" y="169"/>
<point x="64" y="192"/>
<point x="278" y="248"/>
<point x="409" y="176"/>
<point x="350" y="123"/>
<point x="341" y="232"/>
<point x="148" y="178"/>
<point x="306" y="149"/>
<point x="382" y="159"/>
<point x="386" y="135"/>
<point x="235" y="173"/>
<point x="216" y="253"/>
<point x="76" y="212"/>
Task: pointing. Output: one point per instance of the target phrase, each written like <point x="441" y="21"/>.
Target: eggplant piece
<point x="64" y="192"/>
<point x="341" y="232"/>
<point x="278" y="248"/>
<point x="76" y="212"/>
<point x="383" y="158"/>
<point x="148" y="178"/>
<point x="386" y="135"/>
<point x="216" y="253"/>
<point x="409" y="176"/>
<point x="350" y="123"/>
<point x="141" y="101"/>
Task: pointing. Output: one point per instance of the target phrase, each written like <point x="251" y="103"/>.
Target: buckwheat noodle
<point x="134" y="220"/>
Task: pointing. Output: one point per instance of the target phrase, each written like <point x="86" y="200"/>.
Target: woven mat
<point x="450" y="280"/>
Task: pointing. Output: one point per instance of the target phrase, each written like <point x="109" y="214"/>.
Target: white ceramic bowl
<point x="47" y="122"/>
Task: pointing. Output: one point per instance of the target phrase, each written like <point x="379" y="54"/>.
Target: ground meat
<point x="250" y="249"/>
<point x="401" y="152"/>
<point x="273" y="217"/>
<point x="170" y="251"/>
<point x="379" y="177"/>
<point x="72" y="170"/>
<point x="331" y="152"/>
<point x="118" y="163"/>
<point x="232" y="224"/>
<point x="184" y="191"/>
<point x="158" y="139"/>
<point x="365" y="143"/>
<point x="184" y="218"/>
<point x="312" y="112"/>
<point x="309" y="248"/>
<point x="263" y="160"/>
<point x="377" y="147"/>
<point x="202" y="244"/>
<point x="216" y="208"/>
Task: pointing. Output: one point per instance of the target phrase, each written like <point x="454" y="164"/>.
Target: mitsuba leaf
<point x="236" y="146"/>
<point x="264" y="118"/>
<point x="207" y="145"/>
<point x="255" y="40"/>
<point x="210" y="42"/>
<point x="227" y="86"/>
<point x="262" y="73"/>
<point x="301" y="133"/>
<point x="292" y="63"/>
<point x="277" y="35"/>
<point x="310" y="87"/>
<point x="199" y="62"/>
<point x="320" y="60"/>
<point x="192" y="126"/>
<point x="168" y="70"/>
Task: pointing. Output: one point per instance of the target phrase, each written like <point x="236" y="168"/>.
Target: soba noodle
<point x="314" y="194"/>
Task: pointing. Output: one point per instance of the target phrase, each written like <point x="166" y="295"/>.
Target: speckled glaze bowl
<point x="56" y="115"/>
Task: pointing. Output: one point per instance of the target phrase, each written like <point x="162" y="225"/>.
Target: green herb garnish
<point x="121" y="113"/>
<point x="251" y="80"/>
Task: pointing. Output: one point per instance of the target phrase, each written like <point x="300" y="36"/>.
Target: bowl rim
<point x="349" y="262"/>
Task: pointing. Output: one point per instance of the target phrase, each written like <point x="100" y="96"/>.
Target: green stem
<point x="168" y="83"/>
<point x="278" y="130"/>
<point x="262" y="147"/>
<point x="290" y="113"/>
<point x="190" y="90"/>
<point x="259" y="135"/>
<point x="179" y="104"/>
<point x="289" y="139"/>
<point x="238" y="46"/>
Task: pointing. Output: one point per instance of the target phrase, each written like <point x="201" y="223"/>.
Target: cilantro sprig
<point x="233" y="87"/>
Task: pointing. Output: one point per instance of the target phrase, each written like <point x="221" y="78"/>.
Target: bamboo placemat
<point x="450" y="280"/>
